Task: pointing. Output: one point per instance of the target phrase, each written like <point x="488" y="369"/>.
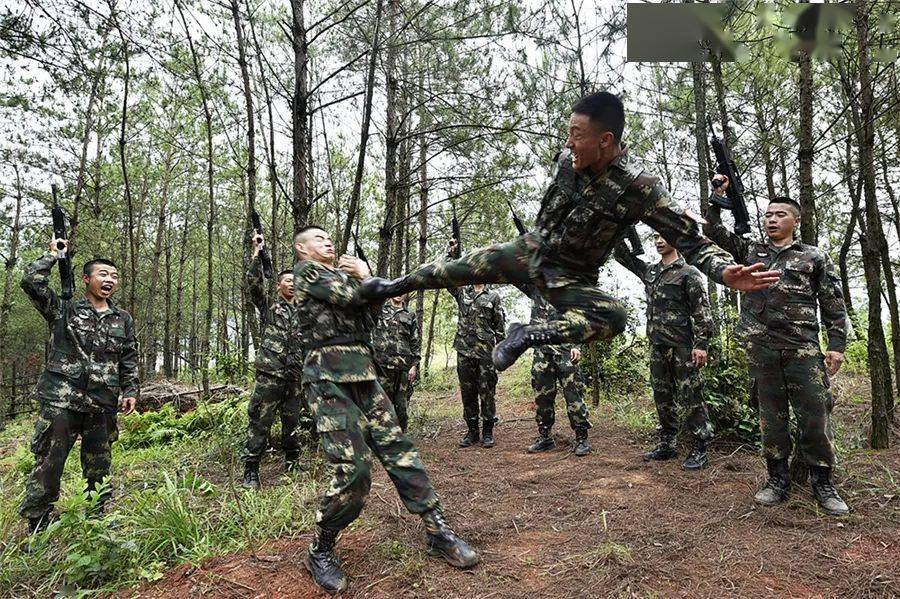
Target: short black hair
<point x="305" y="229"/>
<point x="88" y="267"/>
<point x="605" y="109"/>
<point x="284" y="273"/>
<point x="788" y="201"/>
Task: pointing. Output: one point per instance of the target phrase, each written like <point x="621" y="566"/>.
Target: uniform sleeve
<point x="499" y="320"/>
<point x="457" y="294"/>
<point x="36" y="285"/>
<point x="256" y="287"/>
<point x="634" y="264"/>
<point x="698" y="304"/>
<point x="831" y="306"/>
<point x="328" y="287"/>
<point x="732" y="243"/>
<point x="415" y="341"/>
<point x="128" y="363"/>
<point x="681" y="231"/>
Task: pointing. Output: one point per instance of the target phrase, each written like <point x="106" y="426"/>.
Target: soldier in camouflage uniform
<point x="598" y="191"/>
<point x="279" y="364"/>
<point x="679" y="326"/>
<point x="397" y="345"/>
<point x="552" y="367"/>
<point x="785" y="358"/>
<point x="92" y="370"/>
<point x="353" y="415"/>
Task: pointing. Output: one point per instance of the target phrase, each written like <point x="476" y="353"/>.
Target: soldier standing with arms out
<point x="353" y="415"/>
<point x="91" y="371"/>
<point x="552" y="367"/>
<point x="598" y="192"/>
<point x="480" y="326"/>
<point x="397" y="351"/>
<point x="785" y="358"/>
<point x="679" y="326"/>
<point x="279" y="363"/>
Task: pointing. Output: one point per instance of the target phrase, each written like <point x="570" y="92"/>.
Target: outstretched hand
<point x="749" y="278"/>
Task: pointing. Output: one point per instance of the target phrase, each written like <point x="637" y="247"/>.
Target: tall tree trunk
<point x="132" y="245"/>
<point x="386" y="231"/>
<point x="765" y="141"/>
<point x="167" y="323"/>
<point x="150" y="340"/>
<point x="429" y="345"/>
<point x="719" y="85"/>
<point x="299" y="117"/>
<point x="177" y="345"/>
<point x="9" y="269"/>
<point x="854" y="191"/>
<point x="424" y="122"/>
<point x="211" y="215"/>
<point x="889" y="271"/>
<point x="356" y="191"/>
<point x="874" y="243"/>
<point x="809" y="228"/>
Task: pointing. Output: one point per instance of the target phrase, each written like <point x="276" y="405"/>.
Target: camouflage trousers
<point x="395" y="382"/>
<point x="678" y="393"/>
<point x="55" y="433"/>
<point x="354" y="421"/>
<point x="275" y="395"/>
<point x="477" y="385"/>
<point x="550" y="371"/>
<point x="793" y="379"/>
<point x="587" y="313"/>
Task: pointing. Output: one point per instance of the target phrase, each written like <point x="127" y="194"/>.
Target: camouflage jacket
<point x="396" y="338"/>
<point x="678" y="313"/>
<point x="93" y="357"/>
<point x="784" y="315"/>
<point x="280" y="351"/>
<point x="584" y="216"/>
<point x="481" y="324"/>
<point x="335" y="324"/>
<point x="542" y="311"/>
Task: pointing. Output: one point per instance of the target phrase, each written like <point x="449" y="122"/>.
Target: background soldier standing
<point x="397" y="345"/>
<point x="679" y="326"/>
<point x="784" y="355"/>
<point x="552" y="367"/>
<point x="92" y="363"/>
<point x="279" y="363"/>
<point x="353" y="414"/>
<point x="480" y="326"/>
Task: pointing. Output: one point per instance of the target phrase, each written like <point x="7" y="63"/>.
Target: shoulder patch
<point x="309" y="273"/>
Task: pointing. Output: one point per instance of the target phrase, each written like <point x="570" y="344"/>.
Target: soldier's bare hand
<point x="54" y="245"/>
<point x="258" y="242"/>
<point x="699" y="357"/>
<point x="833" y="361"/>
<point x="413" y="372"/>
<point x="575" y="355"/>
<point x="749" y="278"/>
<point x="127" y="405"/>
<point x="451" y="246"/>
<point x="354" y="267"/>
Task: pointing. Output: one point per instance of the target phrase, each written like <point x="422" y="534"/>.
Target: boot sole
<point x="542" y="450"/>
<point x="342" y="588"/>
<point x="453" y="562"/>
<point x="770" y="504"/>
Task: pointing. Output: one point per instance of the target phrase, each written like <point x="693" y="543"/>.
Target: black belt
<point x="338" y="341"/>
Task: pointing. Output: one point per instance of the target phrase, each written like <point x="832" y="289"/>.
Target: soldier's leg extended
<point x="487" y="394"/>
<point x="543" y="382"/>
<point x="401" y="401"/>
<point x="264" y="404"/>
<point x="55" y="432"/>
<point x="766" y="368"/>
<point x="663" y="382"/>
<point x="569" y="377"/>
<point x="393" y="382"/>
<point x="467" y="370"/>
<point x="694" y="417"/>
<point x="289" y="412"/>
<point x="96" y="455"/>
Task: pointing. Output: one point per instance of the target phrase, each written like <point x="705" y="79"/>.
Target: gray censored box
<point x="676" y="32"/>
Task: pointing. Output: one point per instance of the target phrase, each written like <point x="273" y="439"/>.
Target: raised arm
<point x="734" y="244"/>
<point x="623" y="256"/>
<point x="256" y="287"/>
<point x="36" y="285"/>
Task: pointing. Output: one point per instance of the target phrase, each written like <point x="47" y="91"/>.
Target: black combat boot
<point x="487" y="433"/>
<point x="582" y="447"/>
<point x="544" y="442"/>
<point x="664" y="450"/>
<point x="472" y="435"/>
<point x="292" y="462"/>
<point x="40" y="524"/>
<point x="825" y="493"/>
<point x="251" y="476"/>
<point x="519" y="338"/>
<point x="444" y="542"/>
<point x="376" y="288"/>
<point x="697" y="459"/>
<point x="776" y="488"/>
<point x="323" y="564"/>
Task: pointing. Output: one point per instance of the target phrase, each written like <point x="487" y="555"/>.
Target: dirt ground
<point x="606" y="525"/>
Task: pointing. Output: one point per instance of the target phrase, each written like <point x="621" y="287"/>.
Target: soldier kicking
<point x="92" y="370"/>
<point x="278" y="365"/>
<point x="679" y="326"/>
<point x="785" y="359"/>
<point x="598" y="192"/>
<point x="353" y="415"/>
